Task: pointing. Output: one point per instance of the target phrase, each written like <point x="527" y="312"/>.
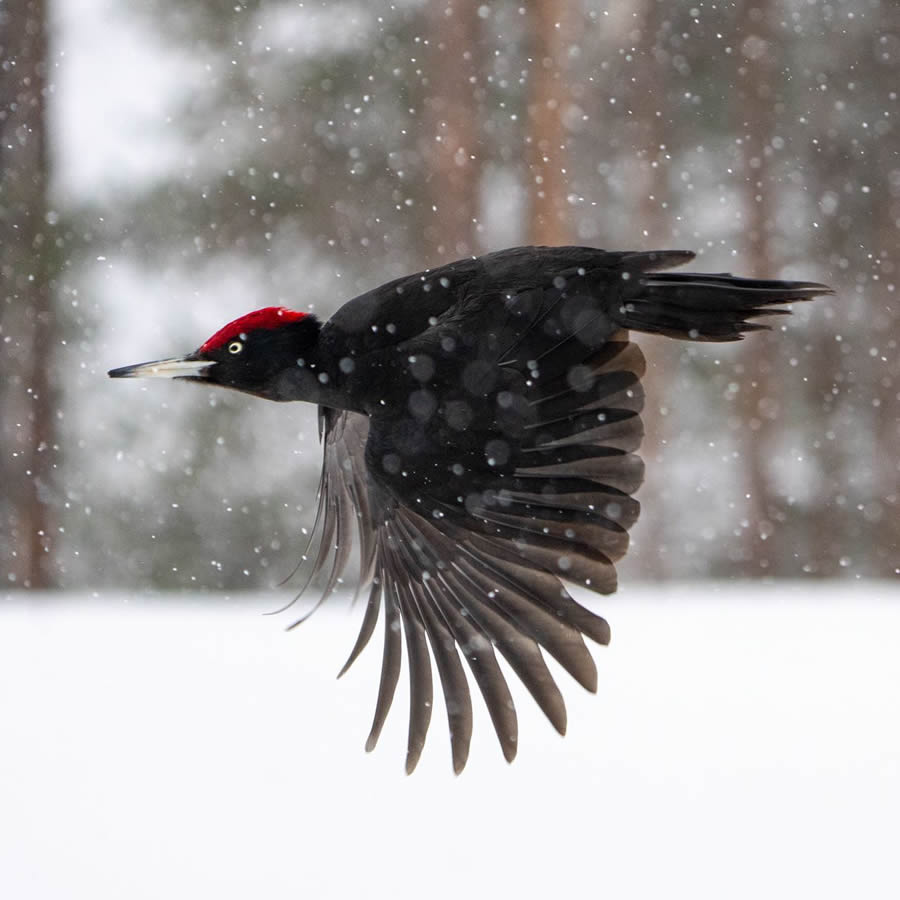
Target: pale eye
<point x="235" y="347"/>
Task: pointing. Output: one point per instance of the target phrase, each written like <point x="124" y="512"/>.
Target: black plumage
<point x="480" y="425"/>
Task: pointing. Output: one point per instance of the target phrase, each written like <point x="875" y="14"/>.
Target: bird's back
<point x="403" y="308"/>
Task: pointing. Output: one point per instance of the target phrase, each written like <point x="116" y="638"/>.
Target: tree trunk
<point x="551" y="36"/>
<point x="27" y="445"/>
<point x="450" y="145"/>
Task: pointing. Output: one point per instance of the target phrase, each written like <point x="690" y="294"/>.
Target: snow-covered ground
<point x="745" y="742"/>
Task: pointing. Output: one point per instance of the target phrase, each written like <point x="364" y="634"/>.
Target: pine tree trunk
<point x="551" y="36"/>
<point x="27" y="445"/>
<point x="450" y="143"/>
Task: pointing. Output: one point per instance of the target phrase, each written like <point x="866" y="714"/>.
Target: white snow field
<point x="745" y="742"/>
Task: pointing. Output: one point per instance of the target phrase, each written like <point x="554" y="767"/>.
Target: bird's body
<point x="480" y="423"/>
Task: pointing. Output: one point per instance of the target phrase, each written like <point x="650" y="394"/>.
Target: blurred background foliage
<point x="168" y="166"/>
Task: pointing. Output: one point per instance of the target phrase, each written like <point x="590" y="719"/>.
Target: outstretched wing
<point x="483" y="525"/>
<point x="467" y="552"/>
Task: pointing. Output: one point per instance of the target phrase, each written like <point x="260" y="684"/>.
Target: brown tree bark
<point x="551" y="28"/>
<point x="27" y="442"/>
<point x="450" y="144"/>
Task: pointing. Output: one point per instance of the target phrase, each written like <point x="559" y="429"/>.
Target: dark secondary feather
<point x="512" y="472"/>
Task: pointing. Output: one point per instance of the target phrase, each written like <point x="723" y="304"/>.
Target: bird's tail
<point x="701" y="307"/>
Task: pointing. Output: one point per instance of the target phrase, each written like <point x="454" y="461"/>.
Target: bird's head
<point x="267" y="352"/>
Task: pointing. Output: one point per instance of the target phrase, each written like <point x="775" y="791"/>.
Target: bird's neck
<point x="316" y="376"/>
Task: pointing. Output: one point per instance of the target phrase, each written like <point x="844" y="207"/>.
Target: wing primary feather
<point x="475" y="645"/>
<point x="479" y="654"/>
<point x="390" y="665"/>
<point x="312" y="535"/>
<point x="358" y="494"/>
<point x="592" y="569"/>
<point x="326" y="430"/>
<point x="420" y="684"/>
<point x="621" y="473"/>
<point x="539" y="543"/>
<point x="343" y="543"/>
<point x="325" y="548"/>
<point x="545" y="588"/>
<point x="519" y="650"/>
<point x="370" y="619"/>
<point x="457" y="698"/>
<point x="477" y="598"/>
<point x="509" y="622"/>
<point x="584" y="537"/>
<point x="561" y="640"/>
<point x="342" y="494"/>
<point x="321" y="516"/>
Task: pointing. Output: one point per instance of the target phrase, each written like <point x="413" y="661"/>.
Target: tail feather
<point x="702" y="307"/>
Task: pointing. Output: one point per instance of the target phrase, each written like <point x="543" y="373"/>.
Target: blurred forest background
<point x="170" y="165"/>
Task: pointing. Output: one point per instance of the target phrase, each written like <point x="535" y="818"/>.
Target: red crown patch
<point x="270" y="317"/>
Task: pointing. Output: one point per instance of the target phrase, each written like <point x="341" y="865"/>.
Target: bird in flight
<point x="481" y="423"/>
